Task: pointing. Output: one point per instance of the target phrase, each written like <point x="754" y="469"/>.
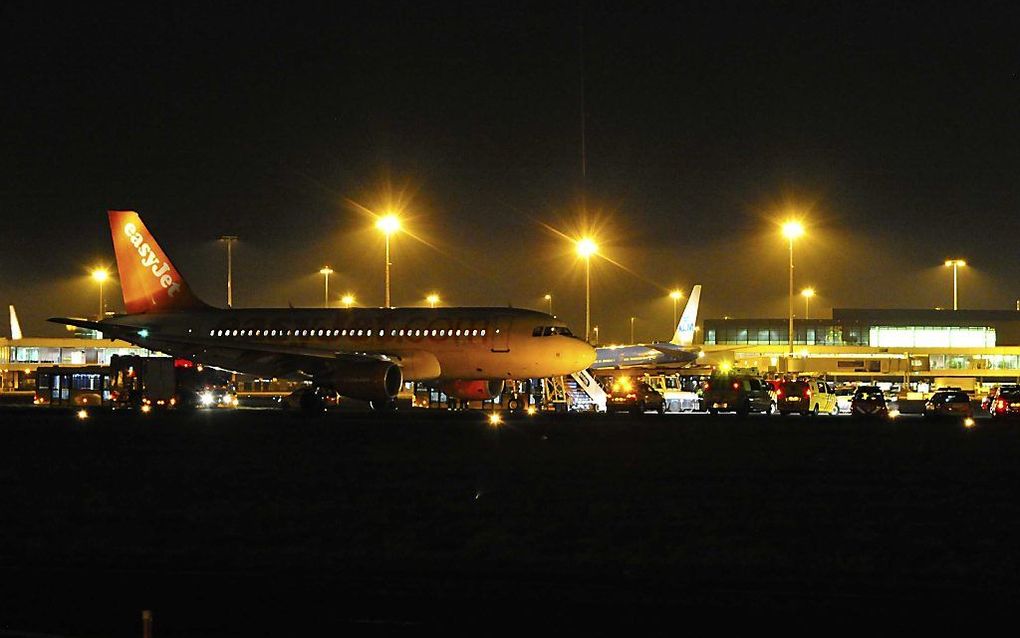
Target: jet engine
<point x="473" y="390"/>
<point x="377" y="381"/>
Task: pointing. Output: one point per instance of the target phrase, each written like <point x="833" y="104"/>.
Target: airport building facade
<point x="983" y="345"/>
<point x="20" y="358"/>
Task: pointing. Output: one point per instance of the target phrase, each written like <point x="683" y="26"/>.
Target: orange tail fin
<point x="148" y="280"/>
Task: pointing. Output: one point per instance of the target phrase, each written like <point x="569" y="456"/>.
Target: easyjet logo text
<point x="159" y="269"/>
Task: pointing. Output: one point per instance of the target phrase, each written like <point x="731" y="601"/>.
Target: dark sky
<point x="892" y="128"/>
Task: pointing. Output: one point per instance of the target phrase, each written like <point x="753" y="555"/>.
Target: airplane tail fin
<point x="148" y="281"/>
<point x="684" y="335"/>
<point x="15" y="326"/>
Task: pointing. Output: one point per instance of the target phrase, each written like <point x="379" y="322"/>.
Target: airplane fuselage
<point x="428" y="344"/>
<point x="641" y="355"/>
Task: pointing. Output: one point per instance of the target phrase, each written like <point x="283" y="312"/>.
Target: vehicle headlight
<point x="206" y="399"/>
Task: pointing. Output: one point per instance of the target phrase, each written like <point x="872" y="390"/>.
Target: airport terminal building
<point x="866" y="342"/>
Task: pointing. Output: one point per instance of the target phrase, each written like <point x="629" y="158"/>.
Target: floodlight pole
<point x="791" y="299"/>
<point x="229" y="239"/>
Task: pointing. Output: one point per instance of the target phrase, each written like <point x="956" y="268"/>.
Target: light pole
<point x="676" y="296"/>
<point x="326" y="271"/>
<point x="432" y="299"/>
<point x="388" y="225"/>
<point x="100" y="276"/>
<point x="807" y="293"/>
<point x="229" y="239"/>
<point x="792" y="230"/>
<point x="347" y="300"/>
<point x="956" y="264"/>
<point x="548" y="299"/>
<point x="586" y="248"/>
<point x="632" y="330"/>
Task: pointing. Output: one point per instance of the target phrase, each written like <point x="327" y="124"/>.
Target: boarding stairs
<point x="585" y="392"/>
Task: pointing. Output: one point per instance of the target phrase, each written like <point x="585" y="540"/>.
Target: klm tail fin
<point x="684" y="335"/>
<point x="15" y="326"/>
<point x="148" y="280"/>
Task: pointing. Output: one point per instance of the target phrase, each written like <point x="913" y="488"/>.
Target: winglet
<point x="148" y="281"/>
<point x="684" y="335"/>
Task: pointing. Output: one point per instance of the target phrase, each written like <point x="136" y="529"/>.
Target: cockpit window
<point x="548" y="331"/>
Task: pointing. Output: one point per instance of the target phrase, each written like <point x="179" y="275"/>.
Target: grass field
<point x="234" y="522"/>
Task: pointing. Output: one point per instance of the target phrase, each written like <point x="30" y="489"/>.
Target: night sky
<point x="892" y="128"/>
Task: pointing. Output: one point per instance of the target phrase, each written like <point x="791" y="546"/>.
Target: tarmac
<point x="260" y="522"/>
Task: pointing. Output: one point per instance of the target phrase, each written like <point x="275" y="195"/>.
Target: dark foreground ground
<point x="261" y="523"/>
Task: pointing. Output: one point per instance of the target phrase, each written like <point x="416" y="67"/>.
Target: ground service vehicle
<point x="806" y="396"/>
<point x="844" y="396"/>
<point x="738" y="393"/>
<point x="1007" y="404"/>
<point x="671" y="389"/>
<point x="869" y="401"/>
<point x="636" y="397"/>
<point x="948" y="403"/>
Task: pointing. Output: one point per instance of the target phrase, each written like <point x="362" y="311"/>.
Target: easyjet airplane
<point x="363" y="353"/>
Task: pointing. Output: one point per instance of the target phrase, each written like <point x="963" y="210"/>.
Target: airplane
<point x="361" y="353"/>
<point x="675" y="353"/>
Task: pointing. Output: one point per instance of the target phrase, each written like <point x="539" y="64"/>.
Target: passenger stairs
<point x="585" y="392"/>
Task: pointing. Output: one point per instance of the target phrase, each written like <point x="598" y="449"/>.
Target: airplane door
<point x="501" y="334"/>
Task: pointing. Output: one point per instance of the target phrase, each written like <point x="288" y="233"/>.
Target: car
<point x="987" y="403"/>
<point x="742" y="394"/>
<point x="1006" y="405"/>
<point x="806" y="396"/>
<point x="948" y="403"/>
<point x="636" y="397"/>
<point x="869" y="401"/>
<point x="844" y="397"/>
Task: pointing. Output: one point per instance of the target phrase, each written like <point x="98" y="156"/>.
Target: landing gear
<point x="389" y="405"/>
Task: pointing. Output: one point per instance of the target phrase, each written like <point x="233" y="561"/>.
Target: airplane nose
<point x="585" y="355"/>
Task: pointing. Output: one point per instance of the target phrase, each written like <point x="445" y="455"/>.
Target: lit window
<point x="483" y="333"/>
<point x="393" y="333"/>
<point x="258" y="333"/>
<point x="235" y="333"/>
<point x="401" y="333"/>
<point x="343" y="332"/>
<point x="304" y="333"/>
<point x="361" y="332"/>
<point x="442" y="333"/>
<point x="458" y="333"/>
<point x="273" y="333"/>
<point x="417" y="333"/>
<point x="474" y="333"/>
<point x="320" y="333"/>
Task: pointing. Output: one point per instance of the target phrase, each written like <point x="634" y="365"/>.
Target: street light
<point x="347" y="300"/>
<point x="956" y="264"/>
<point x="326" y="271"/>
<point x="229" y="239"/>
<point x="548" y="299"/>
<point x="432" y="299"/>
<point x="99" y="275"/>
<point x="586" y="248"/>
<point x="632" y="330"/>
<point x="807" y="293"/>
<point x="676" y="296"/>
<point x="792" y="230"/>
<point x="388" y="224"/>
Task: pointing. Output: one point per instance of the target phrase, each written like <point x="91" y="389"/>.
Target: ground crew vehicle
<point x="671" y="389"/>
<point x="737" y="393"/>
<point x="809" y="397"/>
<point x="636" y="397"/>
